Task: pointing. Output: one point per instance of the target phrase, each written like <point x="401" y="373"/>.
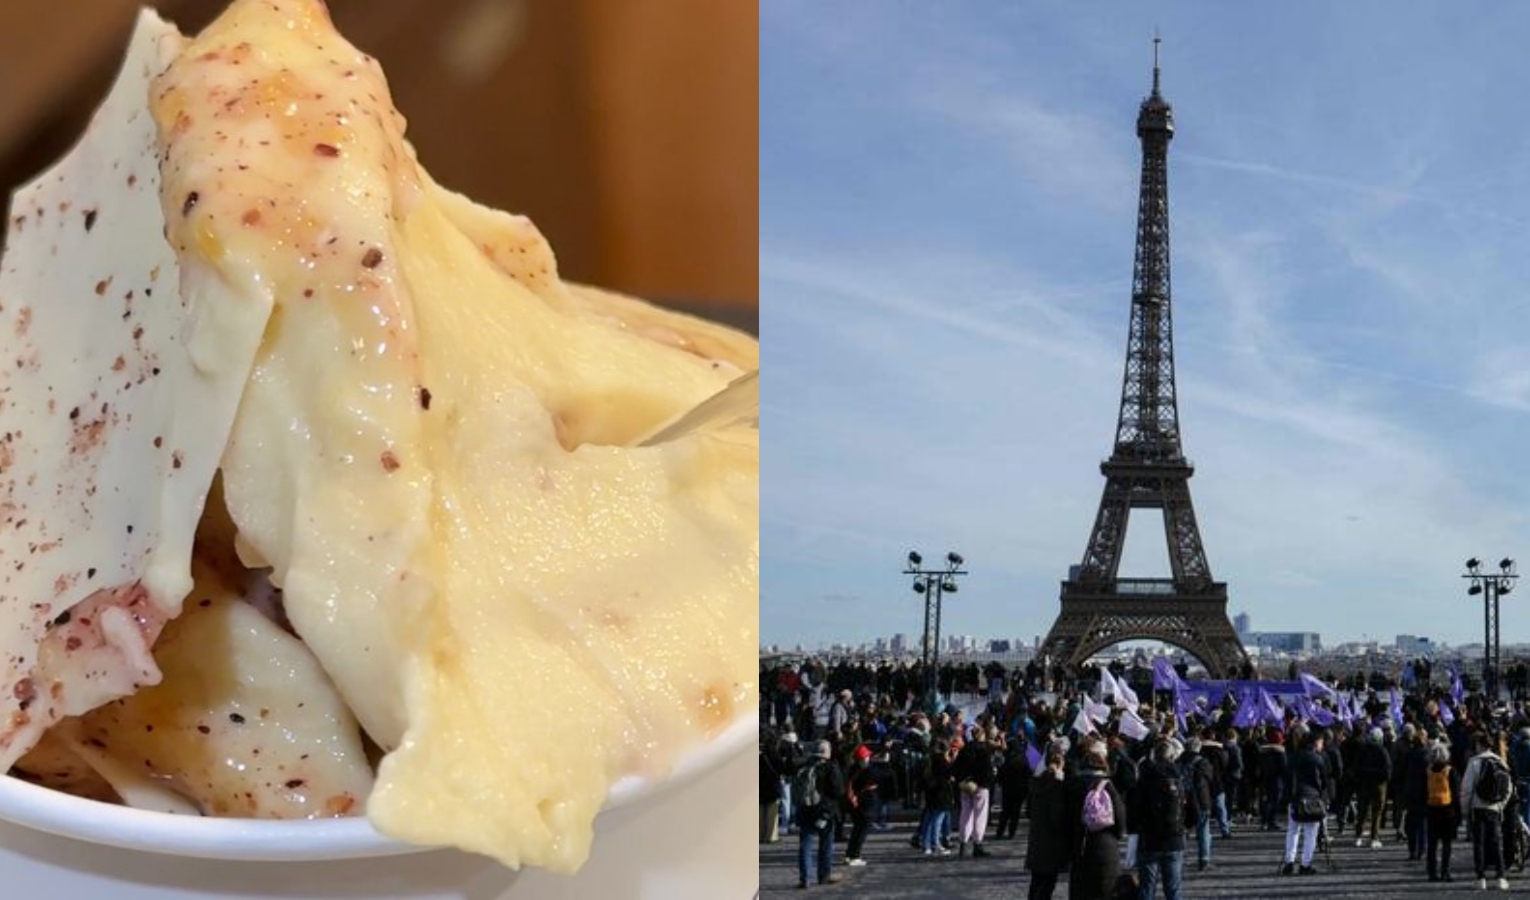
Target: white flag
<point x="1108" y="686"/>
<point x="1081" y="722"/>
<point x="1131" y="726"/>
<point x="1126" y="698"/>
<point x="1097" y="712"/>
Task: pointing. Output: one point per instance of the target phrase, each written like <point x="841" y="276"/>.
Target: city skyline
<point x="946" y="229"/>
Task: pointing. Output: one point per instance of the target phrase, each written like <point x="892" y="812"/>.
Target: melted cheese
<point x="434" y="454"/>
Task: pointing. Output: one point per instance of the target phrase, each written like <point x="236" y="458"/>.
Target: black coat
<point x="975" y="763"/>
<point x="1373" y="765"/>
<point x="770" y="778"/>
<point x="1156" y="836"/>
<point x="1307" y="775"/>
<point x="1097" y="855"/>
<point x="1234" y="770"/>
<point x="1415" y="779"/>
<point x="1046" y="845"/>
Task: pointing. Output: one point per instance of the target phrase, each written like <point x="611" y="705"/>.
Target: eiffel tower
<point x="1148" y="468"/>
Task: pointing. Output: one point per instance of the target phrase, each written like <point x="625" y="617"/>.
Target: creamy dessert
<point x="435" y="452"/>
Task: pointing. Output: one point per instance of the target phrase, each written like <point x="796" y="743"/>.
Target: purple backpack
<point x="1099" y="811"/>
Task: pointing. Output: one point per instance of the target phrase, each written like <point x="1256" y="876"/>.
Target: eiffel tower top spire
<point x="1156" y="41"/>
<point x="1157" y="115"/>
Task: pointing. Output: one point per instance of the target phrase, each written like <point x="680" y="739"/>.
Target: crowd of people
<point x="1124" y="804"/>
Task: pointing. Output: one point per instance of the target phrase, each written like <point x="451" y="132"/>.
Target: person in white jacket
<point x="1482" y="807"/>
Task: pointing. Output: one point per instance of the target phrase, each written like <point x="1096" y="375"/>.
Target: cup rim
<point x="204" y="837"/>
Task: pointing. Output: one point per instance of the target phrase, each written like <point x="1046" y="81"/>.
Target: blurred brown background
<point x="627" y="129"/>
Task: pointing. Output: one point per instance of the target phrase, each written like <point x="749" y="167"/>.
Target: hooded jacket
<point x="1469" y="799"/>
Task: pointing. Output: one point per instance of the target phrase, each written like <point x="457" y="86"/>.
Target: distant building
<point x="899" y="644"/>
<point x="1413" y="645"/>
<point x="1285" y="641"/>
<point x="1242" y="623"/>
<point x="998" y="646"/>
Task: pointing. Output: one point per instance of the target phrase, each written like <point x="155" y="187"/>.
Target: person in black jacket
<point x="1232" y="780"/>
<point x="1306" y="786"/>
<point x="1014" y="779"/>
<point x="975" y="780"/>
<point x="771" y="768"/>
<point x="1415" y="789"/>
<point x="1272" y="779"/>
<point x="1196" y="773"/>
<point x="1046" y="846"/>
<point x="1373" y="772"/>
<point x="1096" y="860"/>
<point x="1216" y="754"/>
<point x="860" y="795"/>
<point x="816" y="821"/>
<point x="1159" y="805"/>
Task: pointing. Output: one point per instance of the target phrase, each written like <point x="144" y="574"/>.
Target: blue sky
<point x="946" y="224"/>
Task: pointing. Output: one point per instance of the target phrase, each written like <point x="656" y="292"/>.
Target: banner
<point x="1081" y="723"/>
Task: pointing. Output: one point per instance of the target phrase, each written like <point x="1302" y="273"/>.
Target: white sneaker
<point x="1375" y="845"/>
<point x="943" y="852"/>
<point x="1359" y="842"/>
<point x="1503" y="884"/>
<point x="1482" y="884"/>
<point x="855" y="862"/>
<point x="928" y="852"/>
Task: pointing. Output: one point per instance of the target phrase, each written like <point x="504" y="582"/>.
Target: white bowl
<point x="68" y="816"/>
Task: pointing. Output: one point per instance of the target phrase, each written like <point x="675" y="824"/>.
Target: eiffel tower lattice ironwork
<point x="1148" y="468"/>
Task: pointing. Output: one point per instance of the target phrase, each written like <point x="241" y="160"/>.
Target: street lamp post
<point x="933" y="584"/>
<point x="1491" y="585"/>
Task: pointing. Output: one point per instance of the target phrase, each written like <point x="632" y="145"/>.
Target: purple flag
<point x="1318" y="714"/>
<point x="1164" y="676"/>
<point x="1314" y="686"/>
<point x="1396" y="704"/>
<point x="1446" y="715"/>
<point x="1248" y="711"/>
<point x="1457" y="690"/>
<point x="1032" y="757"/>
<point x="1272" y="712"/>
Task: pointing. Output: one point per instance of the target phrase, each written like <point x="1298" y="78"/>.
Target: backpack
<point x="1493" y="783"/>
<point x="1099" y="811"/>
<point x="805" y="791"/>
<point x="1439" y="787"/>
<point x="1165" y="805"/>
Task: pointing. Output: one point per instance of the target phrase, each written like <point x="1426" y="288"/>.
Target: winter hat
<point x="863" y="752"/>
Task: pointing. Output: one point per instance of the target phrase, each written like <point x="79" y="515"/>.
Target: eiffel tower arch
<point x="1147" y="468"/>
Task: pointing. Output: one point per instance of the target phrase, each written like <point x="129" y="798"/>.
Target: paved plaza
<point x="1242" y="867"/>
